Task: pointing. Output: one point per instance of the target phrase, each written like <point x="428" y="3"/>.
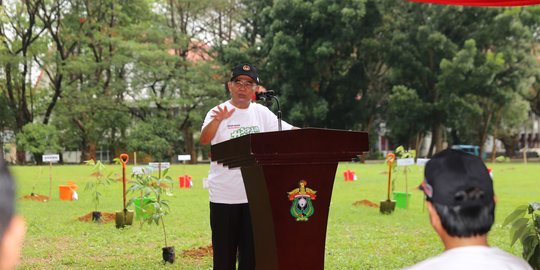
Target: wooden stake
<point x="50" y="180"/>
<point x="406" y="190"/>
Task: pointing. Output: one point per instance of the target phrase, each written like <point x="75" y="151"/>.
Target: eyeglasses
<point x="245" y="83"/>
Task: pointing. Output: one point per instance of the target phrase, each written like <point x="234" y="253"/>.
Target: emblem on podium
<point x="301" y="198"/>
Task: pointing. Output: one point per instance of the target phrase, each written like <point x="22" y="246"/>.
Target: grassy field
<point x="358" y="237"/>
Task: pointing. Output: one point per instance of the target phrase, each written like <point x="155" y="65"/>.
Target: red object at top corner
<point x="485" y="3"/>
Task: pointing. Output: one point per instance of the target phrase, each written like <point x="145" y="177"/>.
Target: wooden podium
<point x="289" y="176"/>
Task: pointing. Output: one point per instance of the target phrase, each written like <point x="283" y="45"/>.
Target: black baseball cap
<point x="245" y="69"/>
<point x="451" y="172"/>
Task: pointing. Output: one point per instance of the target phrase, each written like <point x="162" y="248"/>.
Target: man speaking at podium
<point x="229" y="211"/>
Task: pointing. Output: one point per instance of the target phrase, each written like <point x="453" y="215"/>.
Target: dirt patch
<point x="367" y="203"/>
<point x="198" y="252"/>
<point x="35" y="197"/>
<point x="96" y="174"/>
<point x="105" y="217"/>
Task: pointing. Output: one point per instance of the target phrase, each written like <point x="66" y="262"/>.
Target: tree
<point x="416" y="49"/>
<point x="463" y="70"/>
<point x="513" y="115"/>
<point x="20" y="30"/>
<point x="91" y="66"/>
<point x="154" y="138"/>
<point x="7" y="122"/>
<point x="37" y="139"/>
<point x="486" y="77"/>
<point x="309" y="46"/>
<point x="198" y="78"/>
<point x="407" y="117"/>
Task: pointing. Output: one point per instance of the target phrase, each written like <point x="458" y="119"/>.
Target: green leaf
<point x="117" y="161"/>
<point x="529" y="243"/>
<point x="130" y="202"/>
<point x="88" y="186"/>
<point x="519" y="228"/>
<point x="517" y="213"/>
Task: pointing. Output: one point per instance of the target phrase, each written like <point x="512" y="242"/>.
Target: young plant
<point x="93" y="186"/>
<point x="401" y="153"/>
<point x="525" y="226"/>
<point x="154" y="207"/>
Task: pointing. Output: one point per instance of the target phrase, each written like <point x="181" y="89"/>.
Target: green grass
<point x="358" y="237"/>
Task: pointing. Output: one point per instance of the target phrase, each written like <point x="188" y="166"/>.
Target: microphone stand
<point x="266" y="96"/>
<point x="278" y="113"/>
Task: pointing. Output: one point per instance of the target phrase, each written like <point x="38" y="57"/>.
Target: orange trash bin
<point x="66" y="191"/>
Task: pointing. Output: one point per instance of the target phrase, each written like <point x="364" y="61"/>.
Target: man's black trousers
<point x="231" y="236"/>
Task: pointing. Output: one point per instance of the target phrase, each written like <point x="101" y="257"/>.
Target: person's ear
<point x="227" y="89"/>
<point x="433" y="216"/>
<point x="10" y="247"/>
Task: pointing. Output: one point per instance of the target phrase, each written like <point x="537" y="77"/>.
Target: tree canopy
<point x="122" y="75"/>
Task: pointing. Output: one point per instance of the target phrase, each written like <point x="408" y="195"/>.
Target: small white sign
<point x="422" y="161"/>
<point x="137" y="170"/>
<point x="51" y="158"/>
<point x="157" y="165"/>
<point x="184" y="157"/>
<point x="405" y="162"/>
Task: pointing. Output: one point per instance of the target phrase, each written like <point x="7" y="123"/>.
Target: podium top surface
<point x="307" y="145"/>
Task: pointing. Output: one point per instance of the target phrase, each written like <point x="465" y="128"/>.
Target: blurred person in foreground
<point x="461" y="204"/>
<point x="12" y="228"/>
<point x="230" y="220"/>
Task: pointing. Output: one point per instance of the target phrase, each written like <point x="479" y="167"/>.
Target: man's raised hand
<point x="222" y="113"/>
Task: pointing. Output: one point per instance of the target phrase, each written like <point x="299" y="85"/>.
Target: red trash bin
<point x="185" y="181"/>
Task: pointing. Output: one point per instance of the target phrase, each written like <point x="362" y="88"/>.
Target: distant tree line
<point x="139" y="75"/>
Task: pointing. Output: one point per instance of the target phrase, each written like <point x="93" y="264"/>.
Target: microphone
<point x="268" y="96"/>
<point x="265" y="96"/>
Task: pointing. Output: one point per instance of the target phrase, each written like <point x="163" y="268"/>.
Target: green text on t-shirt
<point x="245" y="131"/>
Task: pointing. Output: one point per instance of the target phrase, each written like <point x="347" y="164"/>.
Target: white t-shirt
<point x="473" y="258"/>
<point x="226" y="185"/>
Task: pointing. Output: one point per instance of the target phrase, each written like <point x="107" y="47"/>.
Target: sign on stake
<point x="405" y="161"/>
<point x="159" y="166"/>
<point x="421" y="161"/>
<point x="50" y="158"/>
<point x="184" y="157"/>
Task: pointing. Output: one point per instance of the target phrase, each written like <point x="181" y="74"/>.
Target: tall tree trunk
<point x="89" y="150"/>
<point x="190" y="144"/>
<point x="510" y="142"/>
<point x="21" y="156"/>
<point x="483" y="135"/>
<point x="436" y="139"/>
<point x="38" y="157"/>
<point x="417" y="144"/>
<point x="17" y="102"/>
<point x="495" y="130"/>
<point x="88" y="147"/>
<point x="440" y="138"/>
